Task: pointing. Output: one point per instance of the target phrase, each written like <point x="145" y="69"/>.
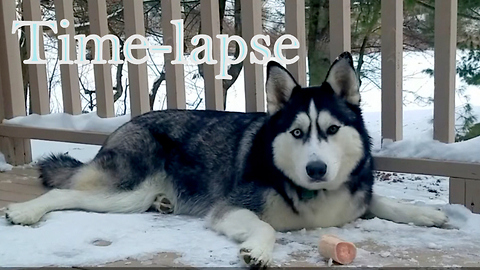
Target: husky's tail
<point x="56" y="171"/>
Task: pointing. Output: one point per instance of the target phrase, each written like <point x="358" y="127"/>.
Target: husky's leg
<point x="396" y="211"/>
<point x="135" y="201"/>
<point x="257" y="237"/>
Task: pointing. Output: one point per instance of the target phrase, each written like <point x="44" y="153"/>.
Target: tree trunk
<point x="234" y="70"/>
<point x="318" y="41"/>
<point x="156" y="85"/>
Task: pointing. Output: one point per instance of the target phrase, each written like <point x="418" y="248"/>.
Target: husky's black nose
<point x="316" y="170"/>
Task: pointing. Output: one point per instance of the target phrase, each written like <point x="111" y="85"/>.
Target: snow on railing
<point x="466" y="151"/>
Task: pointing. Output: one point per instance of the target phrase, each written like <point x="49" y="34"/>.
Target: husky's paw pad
<point x="163" y="205"/>
<point x="20" y="214"/>
<point x="254" y="259"/>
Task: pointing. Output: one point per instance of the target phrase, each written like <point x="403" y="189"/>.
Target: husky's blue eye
<point x="297" y="133"/>
<point x="332" y="129"/>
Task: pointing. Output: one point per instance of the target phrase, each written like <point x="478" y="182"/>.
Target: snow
<point x="412" y="188"/>
<point x="417" y="125"/>
<point x="418" y="87"/>
<point x="467" y="151"/>
<point x="83" y="122"/>
<point x="137" y="235"/>
<point x="67" y="238"/>
<point x="82" y="152"/>
<point x="4" y="166"/>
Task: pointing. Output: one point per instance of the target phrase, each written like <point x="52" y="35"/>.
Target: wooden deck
<point x="20" y="185"/>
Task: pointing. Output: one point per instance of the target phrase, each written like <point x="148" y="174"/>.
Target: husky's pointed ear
<point x="343" y="78"/>
<point x="279" y="86"/>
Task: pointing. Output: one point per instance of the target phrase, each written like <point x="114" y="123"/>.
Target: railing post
<point x="253" y="73"/>
<point x="16" y="151"/>
<point x="97" y="12"/>
<point x="174" y="74"/>
<point x="444" y="78"/>
<point x="210" y="19"/>
<point x="295" y="25"/>
<point x="3" y="103"/>
<point x="392" y="67"/>
<point x="445" y="68"/>
<point x="68" y="72"/>
<point x="472" y="189"/>
<point x="137" y="74"/>
<point x="37" y="72"/>
<point x="340" y="32"/>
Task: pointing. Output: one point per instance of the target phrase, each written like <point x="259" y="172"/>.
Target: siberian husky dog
<point x="306" y="163"/>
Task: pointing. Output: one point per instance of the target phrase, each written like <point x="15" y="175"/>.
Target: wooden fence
<point x="15" y="140"/>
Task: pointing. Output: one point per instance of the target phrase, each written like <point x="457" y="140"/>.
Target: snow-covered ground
<point x="67" y="238"/>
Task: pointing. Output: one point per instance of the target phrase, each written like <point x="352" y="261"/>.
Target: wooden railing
<point x="14" y="140"/>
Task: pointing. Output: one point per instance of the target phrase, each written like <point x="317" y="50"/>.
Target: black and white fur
<point x="306" y="163"/>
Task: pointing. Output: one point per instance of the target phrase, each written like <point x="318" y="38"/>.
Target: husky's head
<point x="320" y="136"/>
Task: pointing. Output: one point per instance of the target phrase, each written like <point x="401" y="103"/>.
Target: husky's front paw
<point x="399" y="212"/>
<point x="429" y="216"/>
<point x="23" y="214"/>
<point x="257" y="256"/>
